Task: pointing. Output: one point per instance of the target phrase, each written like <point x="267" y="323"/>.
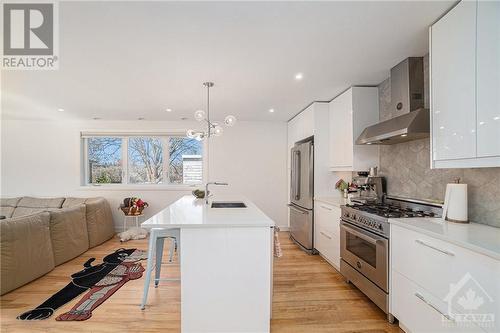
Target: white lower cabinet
<point x="327" y="232"/>
<point x="419" y="311"/>
<point x="435" y="284"/>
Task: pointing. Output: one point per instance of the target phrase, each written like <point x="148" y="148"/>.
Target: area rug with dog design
<point x="100" y="281"/>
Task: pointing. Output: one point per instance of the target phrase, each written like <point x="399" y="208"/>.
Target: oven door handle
<point x="371" y="238"/>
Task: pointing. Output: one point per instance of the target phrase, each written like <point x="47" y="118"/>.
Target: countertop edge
<point x="208" y="226"/>
<point x="466" y="245"/>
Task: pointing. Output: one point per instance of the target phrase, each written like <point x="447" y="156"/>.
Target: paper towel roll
<point x="455" y="203"/>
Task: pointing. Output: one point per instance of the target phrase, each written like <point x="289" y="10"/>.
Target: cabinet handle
<point x="421" y="242"/>
<point x="325" y="207"/>
<point x="329" y="237"/>
<point x="422" y="298"/>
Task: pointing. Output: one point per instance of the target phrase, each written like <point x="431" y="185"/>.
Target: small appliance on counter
<point x="371" y="187"/>
<point x="455" y="203"/>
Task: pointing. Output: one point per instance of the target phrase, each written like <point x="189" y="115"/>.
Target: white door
<point x="453" y="76"/>
<point x="341" y="142"/>
<point x="488" y="78"/>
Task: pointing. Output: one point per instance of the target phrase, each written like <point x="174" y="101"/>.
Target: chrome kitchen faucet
<point x="206" y="189"/>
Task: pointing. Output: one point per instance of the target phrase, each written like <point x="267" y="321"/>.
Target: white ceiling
<point x="124" y="60"/>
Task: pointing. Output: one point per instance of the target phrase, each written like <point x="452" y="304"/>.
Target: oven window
<point x="362" y="249"/>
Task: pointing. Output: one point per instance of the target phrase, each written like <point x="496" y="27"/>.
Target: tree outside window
<point x="145" y="160"/>
<point x="104" y="160"/>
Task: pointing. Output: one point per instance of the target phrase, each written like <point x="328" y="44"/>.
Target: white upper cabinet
<point x="465" y="89"/>
<point x="301" y="127"/>
<point x="350" y="113"/>
<point x="488" y="78"/>
<point x="453" y="47"/>
<point x="341" y="149"/>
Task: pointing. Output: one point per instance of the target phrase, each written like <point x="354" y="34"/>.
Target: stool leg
<point x="178" y="247"/>
<point x="149" y="268"/>
<point x="172" y="249"/>
<point x="159" y="256"/>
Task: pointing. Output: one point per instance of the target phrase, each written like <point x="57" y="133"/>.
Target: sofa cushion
<point x="40" y="202"/>
<point x="99" y="218"/>
<point x="23" y="211"/>
<point x="68" y="231"/>
<point x="72" y="202"/>
<point x="9" y="202"/>
<point x="25" y="249"/>
<point x="6" y="211"/>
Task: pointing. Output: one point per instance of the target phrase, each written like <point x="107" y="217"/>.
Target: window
<point x="142" y="159"/>
<point x="145" y="160"/>
<point x="185" y="161"/>
<point x="104" y="160"/>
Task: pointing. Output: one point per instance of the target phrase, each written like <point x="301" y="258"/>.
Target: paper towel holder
<point x="447" y="198"/>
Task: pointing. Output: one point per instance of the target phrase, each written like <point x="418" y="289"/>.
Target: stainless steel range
<point x="364" y="243"/>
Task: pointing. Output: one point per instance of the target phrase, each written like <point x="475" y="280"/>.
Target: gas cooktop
<point x="392" y="211"/>
<point x="375" y="216"/>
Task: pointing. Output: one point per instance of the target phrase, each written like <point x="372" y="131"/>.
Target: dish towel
<point x="277" y="245"/>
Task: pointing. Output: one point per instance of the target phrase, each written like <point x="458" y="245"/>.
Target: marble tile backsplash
<point x="406" y="167"/>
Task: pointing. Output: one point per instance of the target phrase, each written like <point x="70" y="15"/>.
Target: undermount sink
<point x="228" y="204"/>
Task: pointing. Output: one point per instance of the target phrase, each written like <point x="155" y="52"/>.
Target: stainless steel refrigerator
<point x="301" y="195"/>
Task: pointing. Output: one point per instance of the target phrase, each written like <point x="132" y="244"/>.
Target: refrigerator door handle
<point x="298" y="209"/>
<point x="296" y="185"/>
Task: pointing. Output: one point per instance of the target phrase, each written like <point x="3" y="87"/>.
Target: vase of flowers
<point x="342" y="186"/>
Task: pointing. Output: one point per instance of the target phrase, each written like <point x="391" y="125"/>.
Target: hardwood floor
<point x="309" y="296"/>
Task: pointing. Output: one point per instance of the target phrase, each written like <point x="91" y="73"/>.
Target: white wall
<point x="42" y="158"/>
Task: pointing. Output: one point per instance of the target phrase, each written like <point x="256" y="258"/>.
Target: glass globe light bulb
<point x="191" y="133"/>
<point x="199" y="115"/>
<point x="199" y="136"/>
<point x="230" y="120"/>
<point x="218" y="130"/>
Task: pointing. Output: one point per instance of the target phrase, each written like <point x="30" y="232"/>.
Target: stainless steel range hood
<point x="410" y="120"/>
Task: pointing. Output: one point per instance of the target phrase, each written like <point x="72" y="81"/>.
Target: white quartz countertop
<point x="477" y="237"/>
<point x="189" y="212"/>
<point x="334" y="201"/>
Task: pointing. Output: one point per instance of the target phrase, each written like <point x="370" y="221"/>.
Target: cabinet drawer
<point x="328" y="245"/>
<point x="419" y="311"/>
<point x="327" y="232"/>
<point x="327" y="217"/>
<point x="438" y="266"/>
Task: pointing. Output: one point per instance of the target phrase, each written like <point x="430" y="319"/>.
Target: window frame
<point x="124" y="136"/>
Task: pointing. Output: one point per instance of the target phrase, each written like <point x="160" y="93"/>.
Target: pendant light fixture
<point x="213" y="128"/>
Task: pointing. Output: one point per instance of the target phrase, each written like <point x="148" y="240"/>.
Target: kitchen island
<point x="226" y="264"/>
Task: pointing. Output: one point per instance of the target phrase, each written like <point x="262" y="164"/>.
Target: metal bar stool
<point x="156" y="241"/>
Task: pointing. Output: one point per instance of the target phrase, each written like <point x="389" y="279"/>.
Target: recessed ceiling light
<point x="441" y="127"/>
<point x="271" y="110"/>
<point x="168" y="110"/>
<point x="60" y="110"/>
<point x="403" y="135"/>
<point x="299" y="76"/>
<point x="482" y="123"/>
<point x="496" y="118"/>
<point x="368" y="143"/>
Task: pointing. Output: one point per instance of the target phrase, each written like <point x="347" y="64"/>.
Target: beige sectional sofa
<point x="38" y="234"/>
